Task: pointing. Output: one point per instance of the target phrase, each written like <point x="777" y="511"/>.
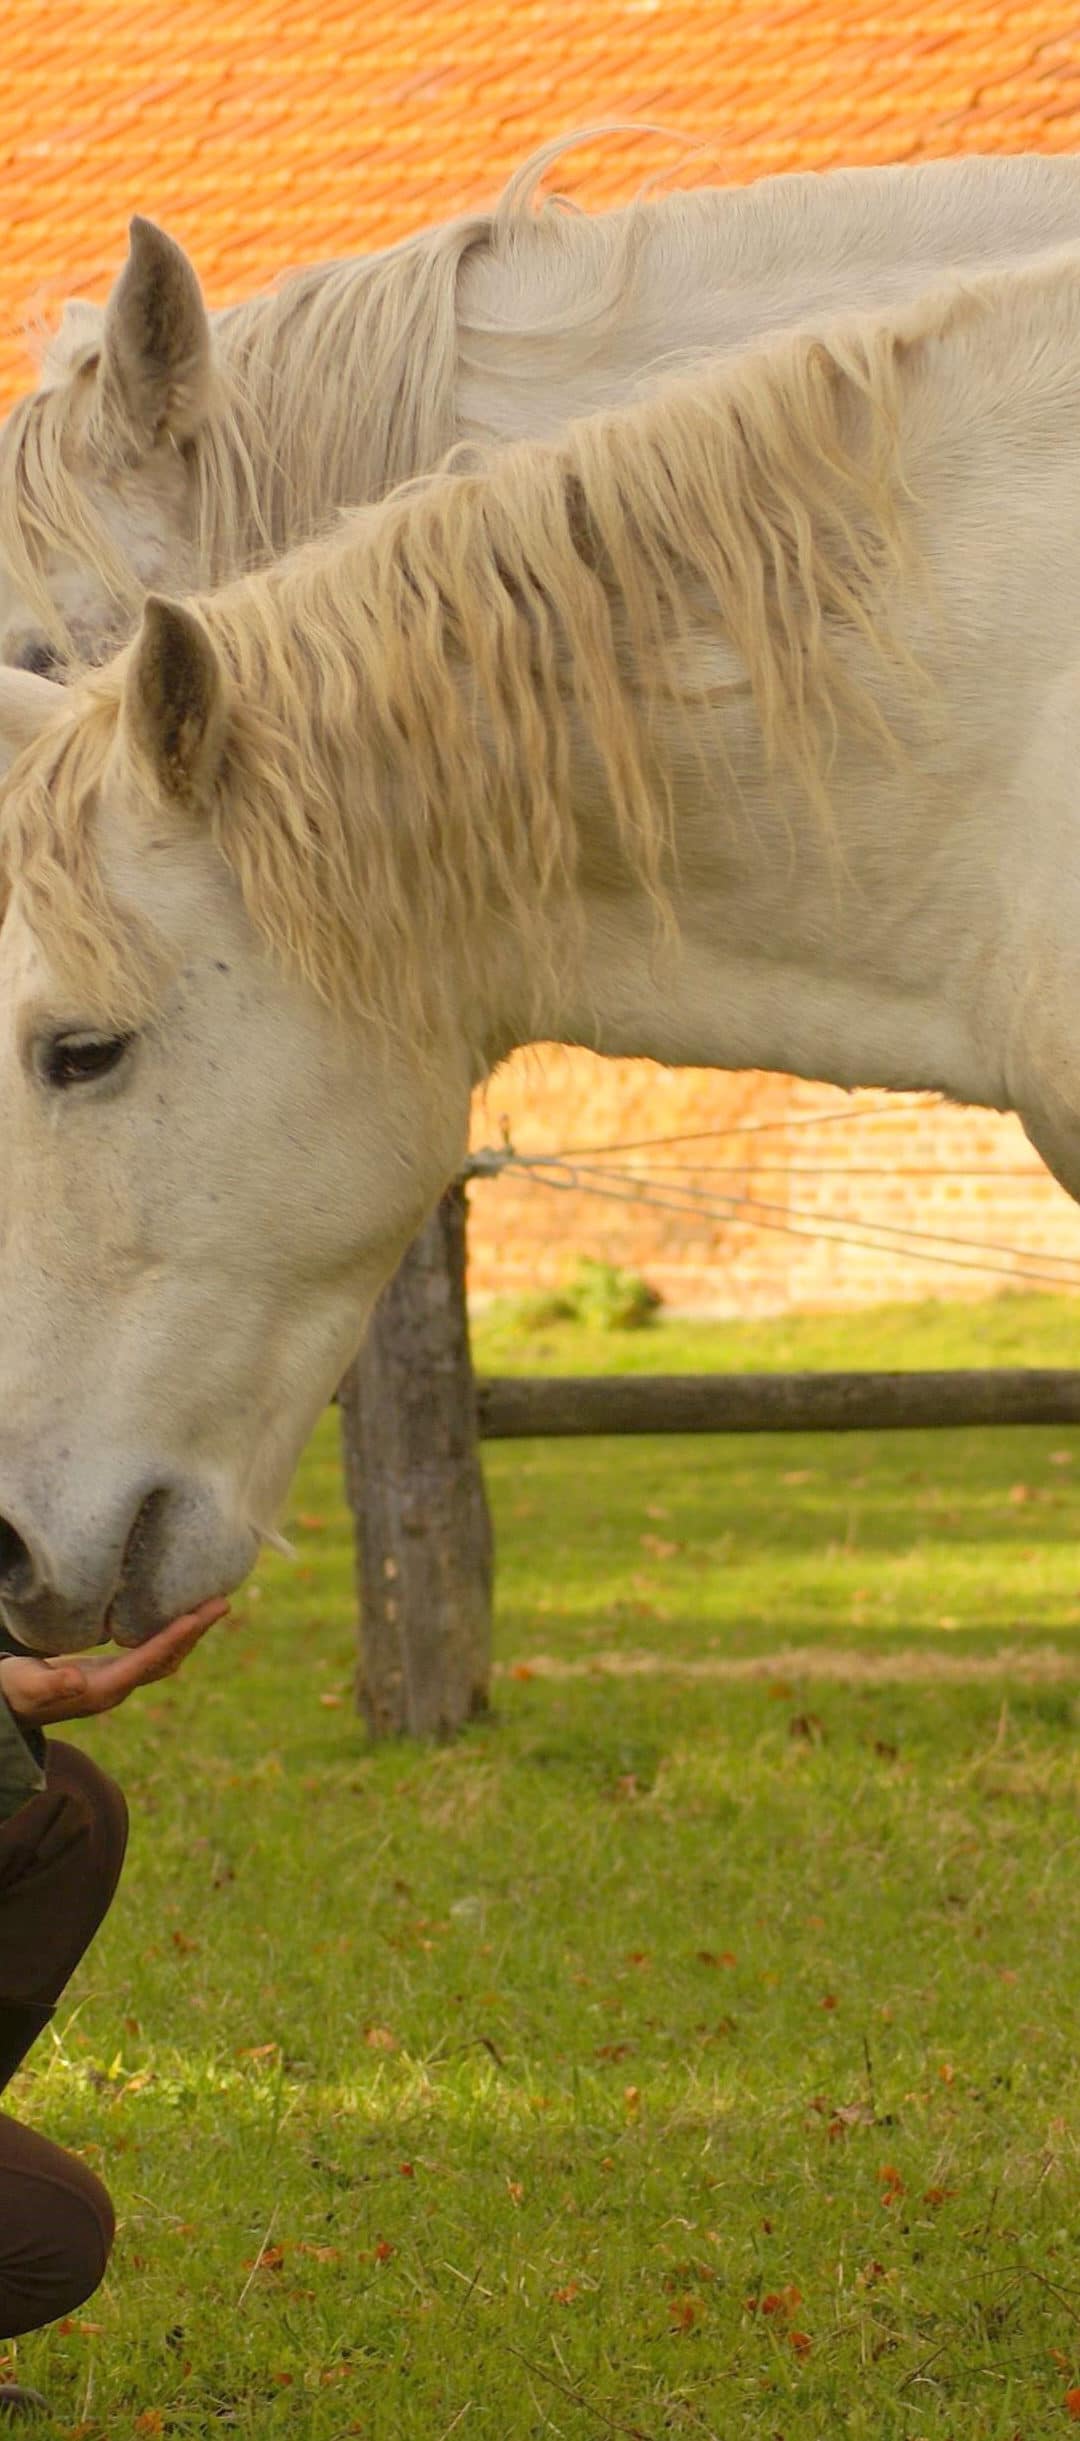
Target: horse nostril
<point x="17" y="1572"/>
<point x="145" y="1532"/>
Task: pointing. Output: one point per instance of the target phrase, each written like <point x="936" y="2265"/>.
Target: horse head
<point x="98" y="485"/>
<point x="208" y="1171"/>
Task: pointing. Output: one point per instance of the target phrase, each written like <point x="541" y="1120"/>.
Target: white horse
<point x="739" y="728"/>
<point x="165" y="447"/>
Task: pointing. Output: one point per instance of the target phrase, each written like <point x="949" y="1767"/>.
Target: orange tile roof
<point x="270" y="132"/>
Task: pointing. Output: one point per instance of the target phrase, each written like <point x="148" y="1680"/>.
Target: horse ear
<point x="174" y="702"/>
<point x="155" y="358"/>
<point x="28" y="706"/>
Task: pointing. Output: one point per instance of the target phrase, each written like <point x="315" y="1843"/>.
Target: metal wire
<point x="693" y="1199"/>
<point x="756" y="1168"/>
<point x="897" y="1106"/>
<point x="564" y="1176"/>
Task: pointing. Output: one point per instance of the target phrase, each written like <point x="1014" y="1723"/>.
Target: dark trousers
<point x="60" y="1861"/>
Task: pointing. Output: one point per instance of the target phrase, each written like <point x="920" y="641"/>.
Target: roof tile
<point x="268" y="132"/>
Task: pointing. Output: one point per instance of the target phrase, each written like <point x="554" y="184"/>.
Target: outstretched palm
<point x="42" y="1692"/>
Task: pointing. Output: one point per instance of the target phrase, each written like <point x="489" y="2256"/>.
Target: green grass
<point x="733" y="1547"/>
<point x="496" y="2089"/>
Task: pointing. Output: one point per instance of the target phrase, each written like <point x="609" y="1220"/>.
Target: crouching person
<point x="63" y="1831"/>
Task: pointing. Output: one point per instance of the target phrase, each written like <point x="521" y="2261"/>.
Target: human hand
<point x="62" y="1687"/>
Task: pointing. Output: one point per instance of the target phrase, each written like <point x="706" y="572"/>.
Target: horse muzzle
<point x="129" y="1569"/>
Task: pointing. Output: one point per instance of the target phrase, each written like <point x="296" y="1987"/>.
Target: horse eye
<point x="80" y="1059"/>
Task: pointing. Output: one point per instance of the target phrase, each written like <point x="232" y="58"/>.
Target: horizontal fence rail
<point x="553" y="1406"/>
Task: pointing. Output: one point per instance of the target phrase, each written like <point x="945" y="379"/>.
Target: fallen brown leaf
<point x="684" y="2312"/>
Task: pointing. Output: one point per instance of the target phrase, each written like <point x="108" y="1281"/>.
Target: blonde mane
<point x="326" y="391"/>
<point x="411" y="697"/>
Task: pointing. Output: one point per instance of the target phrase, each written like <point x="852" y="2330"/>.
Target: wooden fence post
<point x="424" y="1556"/>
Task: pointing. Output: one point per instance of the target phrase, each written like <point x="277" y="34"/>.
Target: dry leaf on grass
<point x="684" y="2312"/>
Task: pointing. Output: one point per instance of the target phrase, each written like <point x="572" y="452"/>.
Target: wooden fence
<point x="414" y="1414"/>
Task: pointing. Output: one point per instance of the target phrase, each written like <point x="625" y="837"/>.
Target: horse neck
<point x="879" y="955"/>
<point x="358" y="375"/>
<point x="563" y="315"/>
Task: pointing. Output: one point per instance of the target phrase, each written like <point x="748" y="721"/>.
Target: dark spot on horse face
<point x="42" y="659"/>
<point x="221" y="966"/>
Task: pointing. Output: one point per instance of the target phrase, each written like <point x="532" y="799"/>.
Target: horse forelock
<point x="50" y="859"/>
<point x="47" y="511"/>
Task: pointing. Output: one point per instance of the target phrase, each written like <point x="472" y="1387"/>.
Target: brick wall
<point x="966" y="1177"/>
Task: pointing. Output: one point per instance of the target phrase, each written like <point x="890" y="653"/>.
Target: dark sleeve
<point x="22" y="1750"/>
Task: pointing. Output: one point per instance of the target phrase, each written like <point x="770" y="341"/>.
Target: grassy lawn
<point x="685" y="2051"/>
